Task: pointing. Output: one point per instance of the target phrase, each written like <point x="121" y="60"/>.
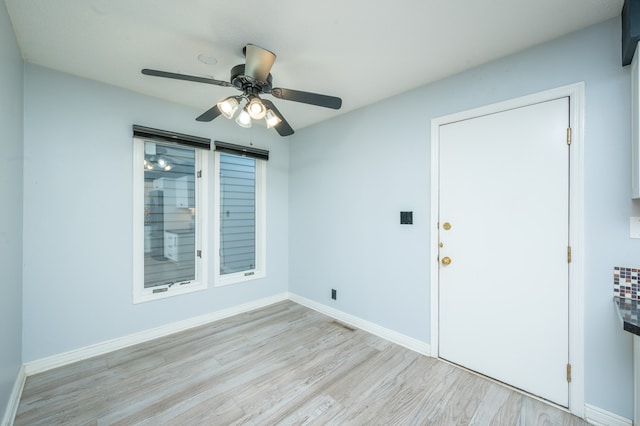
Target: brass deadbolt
<point x="446" y="226"/>
<point x="446" y="260"/>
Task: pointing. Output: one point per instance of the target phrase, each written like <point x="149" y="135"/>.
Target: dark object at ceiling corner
<point x="630" y="29"/>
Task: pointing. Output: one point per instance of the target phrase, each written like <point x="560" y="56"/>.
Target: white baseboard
<point x="390" y="335"/>
<point x="44" y="364"/>
<point x="14" y="399"/>
<point x="599" y="417"/>
<point x="65" y="358"/>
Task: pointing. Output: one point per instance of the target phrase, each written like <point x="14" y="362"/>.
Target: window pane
<point x="237" y="214"/>
<point x="169" y="214"/>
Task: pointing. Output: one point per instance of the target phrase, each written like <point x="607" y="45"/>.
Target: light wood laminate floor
<point x="283" y="364"/>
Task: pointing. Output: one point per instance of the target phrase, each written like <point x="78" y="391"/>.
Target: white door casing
<point x="510" y="330"/>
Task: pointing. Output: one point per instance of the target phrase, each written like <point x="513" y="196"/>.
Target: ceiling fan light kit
<point x="256" y="109"/>
<point x="244" y="119"/>
<point x="271" y="119"/>
<point x="229" y="106"/>
<point x="253" y="78"/>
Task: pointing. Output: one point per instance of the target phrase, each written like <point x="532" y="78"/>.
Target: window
<point x="240" y="205"/>
<point x="169" y="208"/>
<point x="170" y="213"/>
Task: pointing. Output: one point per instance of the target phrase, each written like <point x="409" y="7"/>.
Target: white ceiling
<point x="360" y="50"/>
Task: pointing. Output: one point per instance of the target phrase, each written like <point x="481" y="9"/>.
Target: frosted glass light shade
<point x="272" y="119"/>
<point x="228" y="106"/>
<point x="244" y="119"/>
<point x="256" y="108"/>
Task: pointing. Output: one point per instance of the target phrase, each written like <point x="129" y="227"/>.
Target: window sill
<point x="240" y="277"/>
<point x="148" y="295"/>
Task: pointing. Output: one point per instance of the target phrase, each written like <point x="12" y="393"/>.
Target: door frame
<point x="575" y="92"/>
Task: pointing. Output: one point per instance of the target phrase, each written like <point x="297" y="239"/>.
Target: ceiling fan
<point x="253" y="78"/>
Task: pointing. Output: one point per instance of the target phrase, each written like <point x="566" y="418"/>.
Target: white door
<point x="503" y="224"/>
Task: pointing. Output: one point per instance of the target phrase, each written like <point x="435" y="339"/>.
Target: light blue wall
<point x="350" y="177"/>
<point x="78" y="220"/>
<point x="11" y="113"/>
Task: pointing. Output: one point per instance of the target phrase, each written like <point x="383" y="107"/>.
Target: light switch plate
<point x="406" y="218"/>
<point x="634" y="227"/>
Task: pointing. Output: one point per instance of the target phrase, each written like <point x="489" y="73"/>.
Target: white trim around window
<point x="199" y="208"/>
<point x="259" y="269"/>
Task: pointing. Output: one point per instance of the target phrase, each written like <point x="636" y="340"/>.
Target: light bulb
<point x="162" y="162"/>
<point x="256" y="108"/>
<point x="228" y="106"/>
<point x="272" y="119"/>
<point x="244" y="119"/>
<point x="167" y="167"/>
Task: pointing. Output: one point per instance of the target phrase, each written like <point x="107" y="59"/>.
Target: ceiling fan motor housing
<point x="249" y="85"/>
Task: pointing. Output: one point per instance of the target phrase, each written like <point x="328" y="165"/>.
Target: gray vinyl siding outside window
<point x="237" y="214"/>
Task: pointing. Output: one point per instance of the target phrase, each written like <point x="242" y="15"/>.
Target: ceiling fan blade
<point x="209" y="114"/>
<point x="165" y="74"/>
<point x="258" y="62"/>
<point x="307" y="98"/>
<point x="283" y="128"/>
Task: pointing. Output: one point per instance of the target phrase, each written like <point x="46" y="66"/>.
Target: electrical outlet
<point x="334" y="294"/>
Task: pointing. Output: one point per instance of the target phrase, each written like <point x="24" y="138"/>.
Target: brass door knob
<point x="446" y="260"/>
<point x="446" y="226"/>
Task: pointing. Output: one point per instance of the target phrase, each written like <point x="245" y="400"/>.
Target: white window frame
<point x="140" y="293"/>
<point x="261" y="225"/>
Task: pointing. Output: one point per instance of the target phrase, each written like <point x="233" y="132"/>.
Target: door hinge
<point x="569" y="373"/>
<point x="199" y="173"/>
<point x="199" y="253"/>
<point x="568" y="254"/>
<point x="568" y="135"/>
